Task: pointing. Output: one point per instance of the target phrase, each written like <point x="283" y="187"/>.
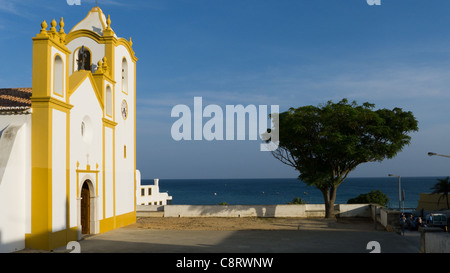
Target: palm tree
<point x="442" y="187"/>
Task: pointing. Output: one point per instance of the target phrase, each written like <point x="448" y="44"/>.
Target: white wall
<point x="125" y="176"/>
<point x="86" y="109"/>
<point x="261" y="210"/>
<point x="14" y="181"/>
<point x="353" y="210"/>
<point x="436" y="242"/>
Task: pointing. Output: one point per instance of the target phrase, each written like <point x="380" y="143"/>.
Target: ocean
<point x="284" y="190"/>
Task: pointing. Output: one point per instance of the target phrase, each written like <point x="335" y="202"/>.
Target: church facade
<point x="68" y="143"/>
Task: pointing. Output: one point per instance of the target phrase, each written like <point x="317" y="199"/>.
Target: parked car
<point x="438" y="220"/>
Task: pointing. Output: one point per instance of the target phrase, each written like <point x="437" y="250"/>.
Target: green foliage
<point x="297" y="200"/>
<point x="326" y="142"/>
<point x="442" y="187"/>
<point x="373" y="197"/>
<point x="223" y="204"/>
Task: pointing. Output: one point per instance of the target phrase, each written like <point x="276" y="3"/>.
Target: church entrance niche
<point x="85" y="208"/>
<point x="83" y="59"/>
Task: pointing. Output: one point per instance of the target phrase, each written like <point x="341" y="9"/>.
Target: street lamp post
<point x="399" y="191"/>
<point x="431" y="154"/>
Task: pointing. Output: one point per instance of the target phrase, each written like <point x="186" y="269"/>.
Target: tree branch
<point x="285" y="157"/>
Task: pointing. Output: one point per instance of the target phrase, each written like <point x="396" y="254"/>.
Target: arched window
<point x="58" y="74"/>
<point x="124" y="75"/>
<point x="108" y="101"/>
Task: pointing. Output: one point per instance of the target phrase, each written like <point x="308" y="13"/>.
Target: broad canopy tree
<point x="325" y="143"/>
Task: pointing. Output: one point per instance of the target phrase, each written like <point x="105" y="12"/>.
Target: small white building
<point x="150" y="195"/>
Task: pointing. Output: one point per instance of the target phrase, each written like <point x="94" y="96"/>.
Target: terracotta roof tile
<point x="11" y="98"/>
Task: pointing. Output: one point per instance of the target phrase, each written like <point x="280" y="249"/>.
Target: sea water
<point x="284" y="190"/>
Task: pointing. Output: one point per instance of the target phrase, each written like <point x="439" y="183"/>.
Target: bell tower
<point x="50" y="140"/>
<point x="50" y="62"/>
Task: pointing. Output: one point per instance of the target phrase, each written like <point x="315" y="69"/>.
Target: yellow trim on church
<point x="102" y="40"/>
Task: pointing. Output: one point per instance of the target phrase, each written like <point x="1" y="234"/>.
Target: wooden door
<point x="85" y="209"/>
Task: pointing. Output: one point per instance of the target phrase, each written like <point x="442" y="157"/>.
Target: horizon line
<point x="425" y="176"/>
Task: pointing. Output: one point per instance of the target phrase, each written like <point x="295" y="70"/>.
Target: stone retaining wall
<point x="308" y="210"/>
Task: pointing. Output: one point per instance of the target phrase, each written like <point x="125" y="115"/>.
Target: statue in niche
<point x="84" y="59"/>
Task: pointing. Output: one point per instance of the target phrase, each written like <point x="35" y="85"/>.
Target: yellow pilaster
<point x="43" y="104"/>
<point x="110" y="46"/>
<point x="41" y="176"/>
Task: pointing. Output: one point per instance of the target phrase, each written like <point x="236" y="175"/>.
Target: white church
<point x="68" y="143"/>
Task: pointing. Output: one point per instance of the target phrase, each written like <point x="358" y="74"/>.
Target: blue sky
<point x="289" y="53"/>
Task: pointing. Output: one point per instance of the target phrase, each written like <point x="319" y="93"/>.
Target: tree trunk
<point x="329" y="197"/>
